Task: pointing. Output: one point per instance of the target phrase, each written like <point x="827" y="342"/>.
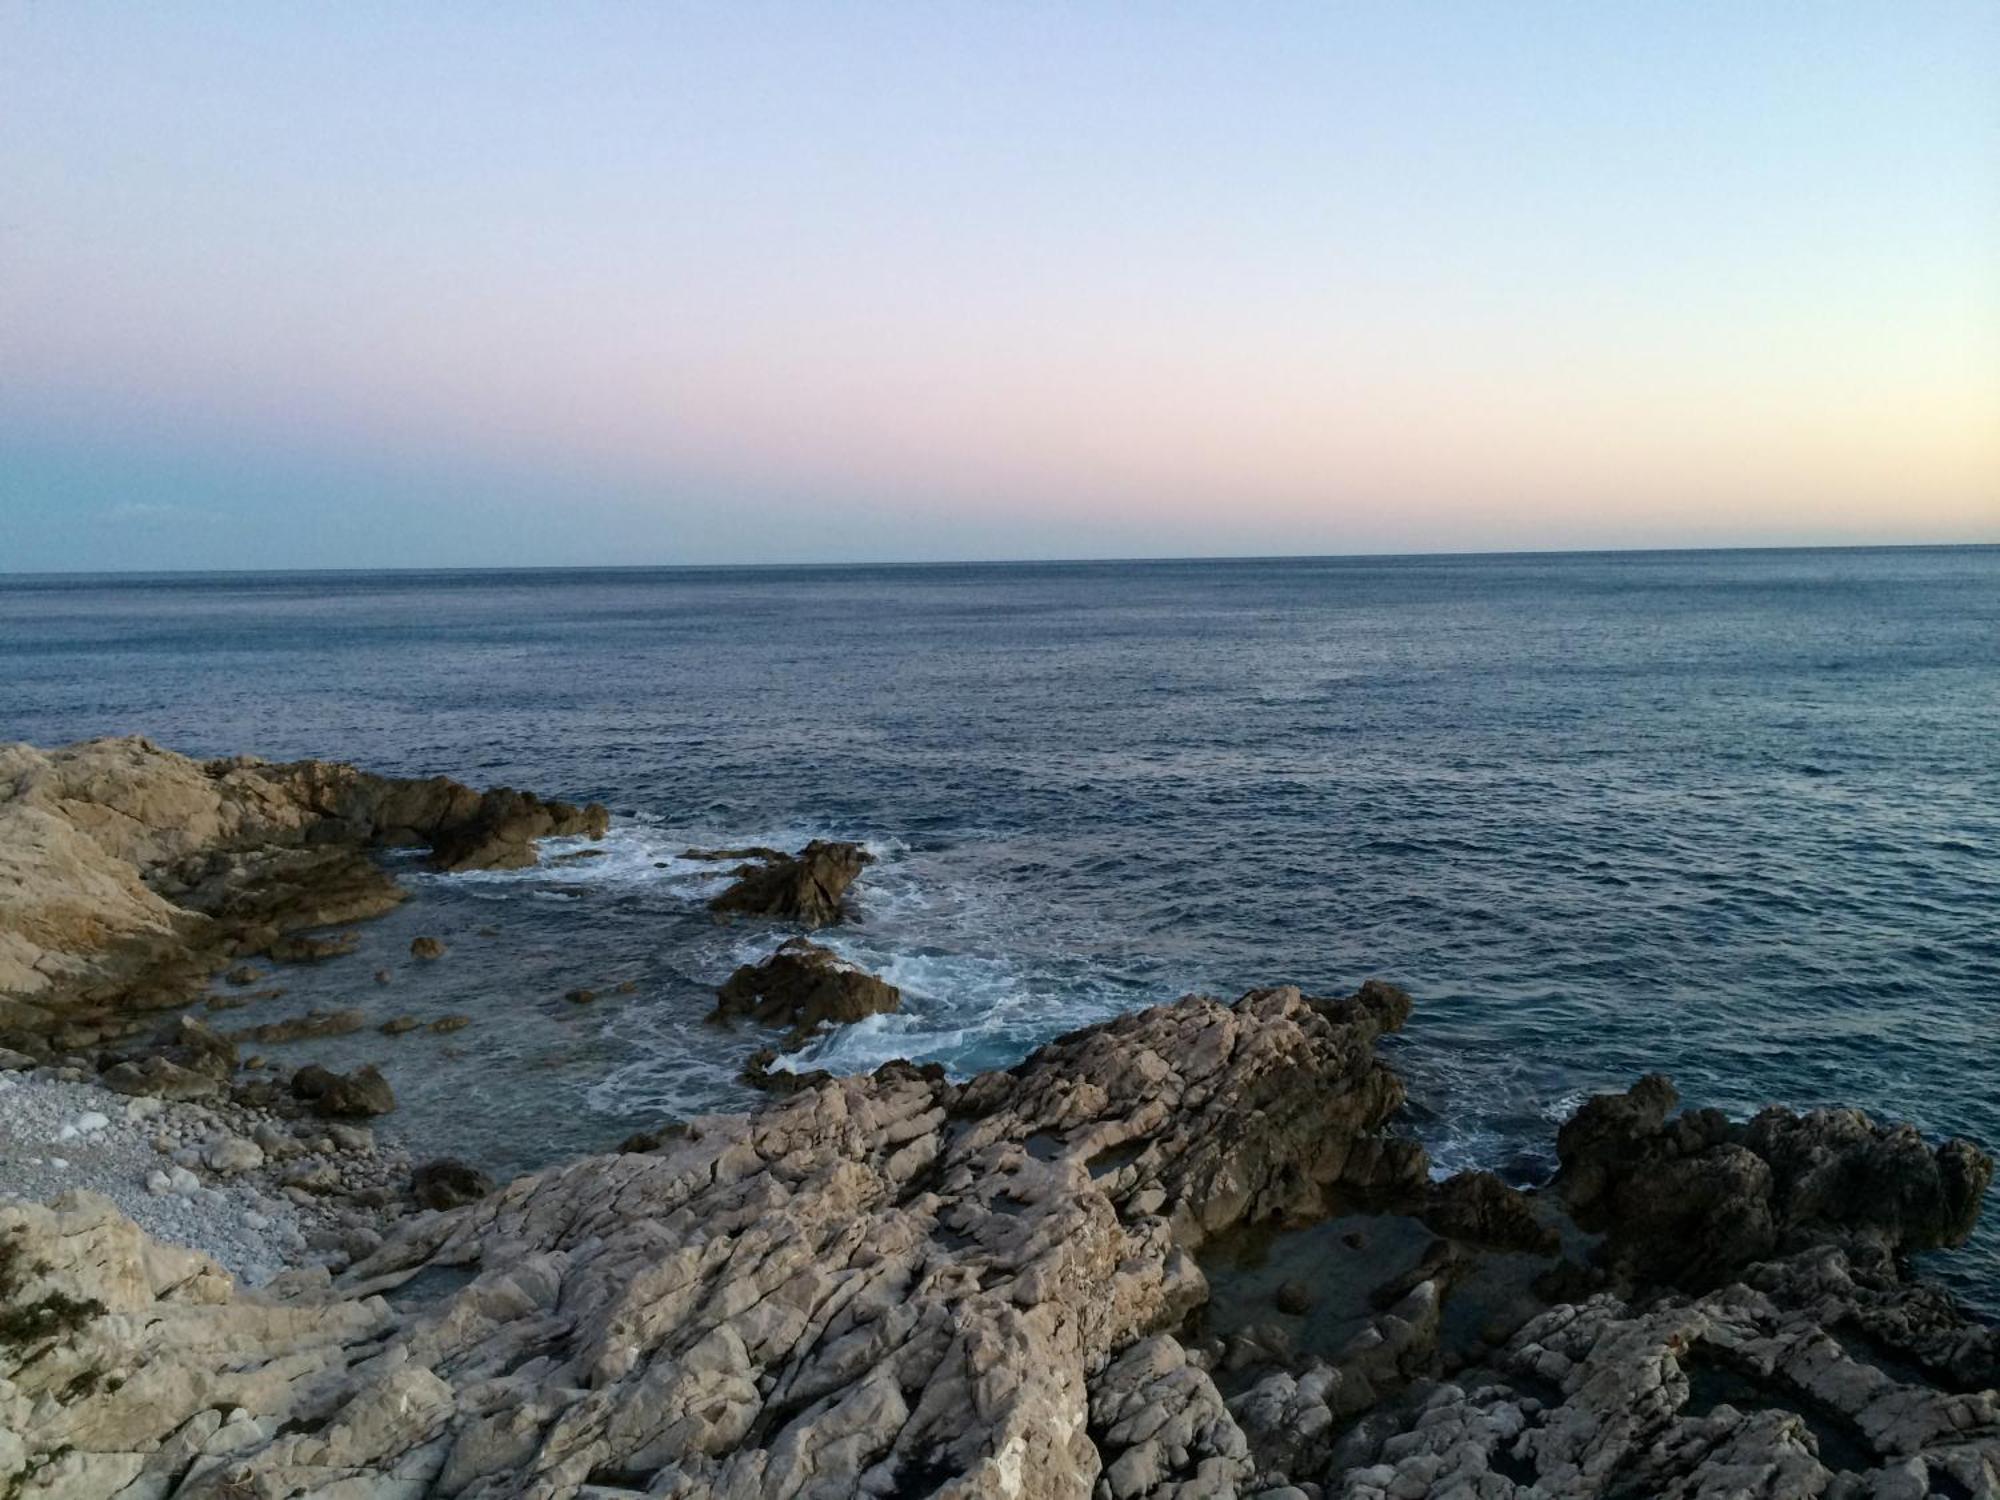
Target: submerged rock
<point x="804" y="988"/>
<point x="809" y="887"/>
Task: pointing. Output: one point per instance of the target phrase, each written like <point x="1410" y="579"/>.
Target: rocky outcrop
<point x="803" y="988"/>
<point x="900" y="1286"/>
<point x="809" y="887"/>
<point x="129" y="873"/>
<point x="1693" y="1200"/>
<point x="880" y="1285"/>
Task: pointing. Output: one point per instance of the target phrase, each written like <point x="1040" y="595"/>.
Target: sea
<point x="1733" y="816"/>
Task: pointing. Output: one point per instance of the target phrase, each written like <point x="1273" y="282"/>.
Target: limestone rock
<point x="875" y="1285"/>
<point x="127" y="871"/>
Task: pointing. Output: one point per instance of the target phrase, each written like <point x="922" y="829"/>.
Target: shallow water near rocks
<point x="1733" y="816"/>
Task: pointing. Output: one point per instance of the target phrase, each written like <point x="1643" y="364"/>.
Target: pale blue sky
<point x="341" y="285"/>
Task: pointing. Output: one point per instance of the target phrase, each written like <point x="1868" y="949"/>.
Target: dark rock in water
<point x="804" y="987"/>
<point x="808" y="887"/>
<point x="448" y="1183"/>
<point x="344" y="1096"/>
<point x="500" y="830"/>
<point x="397" y="1025"/>
<point x="427" y="948"/>
<point x="244" y="974"/>
<point x="760" y="1071"/>
<point x="444" y="1024"/>
<point x="312" y="950"/>
<point x="1694" y="1200"/>
<point x="1293" y="1297"/>
<point x="579" y="997"/>
<point x="383" y="976"/>
<point x="1479" y="1209"/>
<point x="315" y="1023"/>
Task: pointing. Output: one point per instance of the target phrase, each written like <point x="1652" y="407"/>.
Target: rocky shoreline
<point x="1188" y="1252"/>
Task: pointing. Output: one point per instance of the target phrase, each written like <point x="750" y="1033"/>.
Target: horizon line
<point x="1001" y="562"/>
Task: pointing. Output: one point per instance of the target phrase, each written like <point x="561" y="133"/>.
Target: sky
<point x="311" y="285"/>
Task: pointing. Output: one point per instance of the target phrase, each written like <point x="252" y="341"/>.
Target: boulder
<point x="1479" y="1209"/>
<point x="809" y="887"/>
<point x="427" y="948"/>
<point x="448" y="1183"/>
<point x="158" y="1078"/>
<point x="1692" y="1200"/>
<point x="356" y="1095"/>
<point x="803" y="988"/>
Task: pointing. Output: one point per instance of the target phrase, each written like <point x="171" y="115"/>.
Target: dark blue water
<point x="1735" y="816"/>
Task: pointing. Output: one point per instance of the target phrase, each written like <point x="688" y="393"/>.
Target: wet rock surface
<point x="809" y="887"/>
<point x="803" y="988"/>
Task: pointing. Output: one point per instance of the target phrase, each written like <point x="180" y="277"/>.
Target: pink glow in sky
<point x="315" y="287"/>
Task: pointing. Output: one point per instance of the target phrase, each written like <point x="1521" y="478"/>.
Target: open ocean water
<point x="1734" y="816"/>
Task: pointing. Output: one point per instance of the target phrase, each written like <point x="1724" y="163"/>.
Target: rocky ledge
<point x="1184" y="1253"/>
<point x="129" y="874"/>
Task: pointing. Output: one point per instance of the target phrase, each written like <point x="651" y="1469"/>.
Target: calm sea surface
<point x="1734" y="816"/>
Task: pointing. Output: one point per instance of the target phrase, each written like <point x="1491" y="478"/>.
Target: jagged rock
<point x="130" y="873"/>
<point x="500" y="831"/>
<point x="1161" y="1428"/>
<point x="808" y="887"/>
<point x="803" y="988"/>
<point x="448" y="1183"/>
<point x="1734" y="1393"/>
<point x="1692" y="1201"/>
<point x="356" y="1095"/>
<point x="1480" y="1209"/>
<point x="874" y="1283"/>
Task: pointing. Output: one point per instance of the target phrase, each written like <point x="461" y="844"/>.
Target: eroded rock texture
<point x="897" y="1286"/>
<point x="884" y="1285"/>
<point x="128" y="873"/>
<point x="809" y="887"/>
<point x="803" y="987"/>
